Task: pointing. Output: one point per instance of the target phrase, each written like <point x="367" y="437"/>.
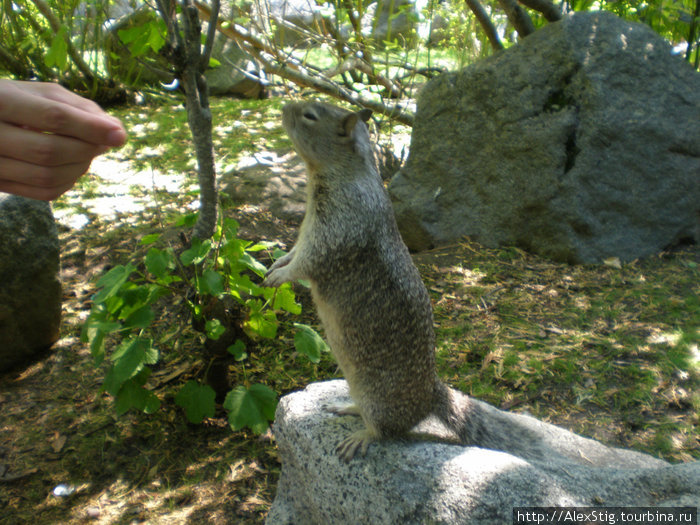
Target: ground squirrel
<point x="373" y="305"/>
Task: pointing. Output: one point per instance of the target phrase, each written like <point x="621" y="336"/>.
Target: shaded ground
<point x="608" y="352"/>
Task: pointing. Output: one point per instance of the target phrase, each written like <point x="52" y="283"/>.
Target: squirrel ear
<point x="364" y="115"/>
<point x="347" y="126"/>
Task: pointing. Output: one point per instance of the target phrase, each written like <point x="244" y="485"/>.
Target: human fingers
<point x="38" y="182"/>
<point x="29" y="109"/>
<point x="58" y="93"/>
<point x="32" y="192"/>
<point x="44" y="149"/>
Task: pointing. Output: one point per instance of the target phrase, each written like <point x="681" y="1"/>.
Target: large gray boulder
<point x="30" y="289"/>
<point x="293" y="18"/>
<point x="420" y="482"/>
<point x="392" y="20"/>
<point x="581" y="143"/>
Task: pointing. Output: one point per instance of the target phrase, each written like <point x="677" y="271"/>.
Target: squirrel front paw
<point x="281" y="262"/>
<point x="277" y="277"/>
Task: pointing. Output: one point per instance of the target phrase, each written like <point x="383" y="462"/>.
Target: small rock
<point x="63" y="490"/>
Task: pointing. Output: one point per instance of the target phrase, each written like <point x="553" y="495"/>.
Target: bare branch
<point x="486" y="24"/>
<point x="288" y="67"/>
<point x="518" y="17"/>
<point x="211" y="34"/>
<point x="550" y="11"/>
<point x="360" y="65"/>
<point x="691" y="35"/>
<point x="13" y="65"/>
<point x="323" y="85"/>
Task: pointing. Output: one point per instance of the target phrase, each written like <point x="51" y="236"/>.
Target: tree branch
<point x="691" y="34"/>
<point x="486" y="24"/>
<point x="13" y="65"/>
<point x="323" y="85"/>
<point x="291" y="69"/>
<point x="551" y="12"/>
<point x="55" y="24"/>
<point x="518" y="17"/>
<point x="211" y="34"/>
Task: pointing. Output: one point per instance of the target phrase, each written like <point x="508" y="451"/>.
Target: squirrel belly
<point x="373" y="305"/>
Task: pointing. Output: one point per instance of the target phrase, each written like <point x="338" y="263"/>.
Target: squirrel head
<point x="328" y="137"/>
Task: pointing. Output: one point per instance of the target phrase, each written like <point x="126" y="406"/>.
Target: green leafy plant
<point x="215" y="268"/>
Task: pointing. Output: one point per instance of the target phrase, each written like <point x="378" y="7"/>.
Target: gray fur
<point x="369" y="295"/>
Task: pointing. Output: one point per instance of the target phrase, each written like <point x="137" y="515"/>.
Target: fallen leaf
<point x="613" y="262"/>
<point x="58" y="442"/>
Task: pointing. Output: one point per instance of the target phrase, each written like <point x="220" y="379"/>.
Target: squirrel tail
<point x="479" y="424"/>
<point x="457" y="412"/>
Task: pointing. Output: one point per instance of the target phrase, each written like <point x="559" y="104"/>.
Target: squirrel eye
<point x="309" y="115"/>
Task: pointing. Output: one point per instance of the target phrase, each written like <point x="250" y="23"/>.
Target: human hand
<point x="48" y="137"/>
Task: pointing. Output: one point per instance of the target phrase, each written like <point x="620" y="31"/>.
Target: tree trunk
<point x="190" y="63"/>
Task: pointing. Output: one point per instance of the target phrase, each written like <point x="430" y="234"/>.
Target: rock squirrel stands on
<point x="373" y="305"/>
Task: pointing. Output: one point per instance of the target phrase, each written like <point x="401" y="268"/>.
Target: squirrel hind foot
<point x="359" y="440"/>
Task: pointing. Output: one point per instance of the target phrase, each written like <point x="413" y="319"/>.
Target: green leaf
<point x="230" y="228"/>
<point x="308" y="342"/>
<point x="112" y="281"/>
<point x="261" y="323"/>
<point x="140" y="318"/>
<point x="285" y="300"/>
<point x="252" y="263"/>
<point x="156" y="37"/>
<point x="186" y="221"/>
<point x="251" y="407"/>
<point x="242" y="284"/>
<point x="278" y="253"/>
<point x="112" y="386"/>
<point x="156" y="291"/>
<point x="263" y="245"/>
<point x="214" y="329"/>
<point x="144" y="38"/>
<point x="94" y="332"/>
<point x="149" y="239"/>
<point x="158" y="262"/>
<point x="133" y="395"/>
<point x="233" y="249"/>
<point x="237" y="350"/>
<point x="212" y="283"/>
<point x="131" y="356"/>
<point x="197" y="400"/>
<point x="196" y="253"/>
<point x="57" y="54"/>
